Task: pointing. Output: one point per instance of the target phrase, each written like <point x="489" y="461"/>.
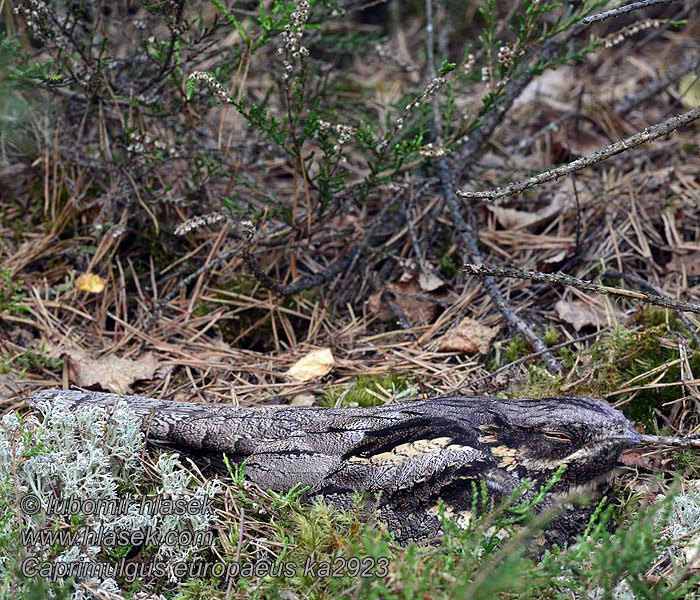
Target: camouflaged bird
<point x="406" y="456"/>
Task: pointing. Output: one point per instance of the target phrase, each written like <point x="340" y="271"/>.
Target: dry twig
<point x="636" y="279"/>
<point x="581" y="284"/>
<point x="647" y="135"/>
<point x="621" y="10"/>
<point x="548" y="52"/>
<point x="468" y="233"/>
<point x="684" y="443"/>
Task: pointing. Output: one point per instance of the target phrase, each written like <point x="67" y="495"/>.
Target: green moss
<point x="551" y="336"/>
<point x="624" y="354"/>
<point x="517" y="348"/>
<point x="11" y="295"/>
<point x="361" y="391"/>
<point x="540" y="383"/>
<point x="655" y="316"/>
<point x="196" y="589"/>
<point x="689" y="461"/>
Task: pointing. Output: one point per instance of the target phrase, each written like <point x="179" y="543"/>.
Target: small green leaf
<point x="189" y="89"/>
<point x="447" y="67"/>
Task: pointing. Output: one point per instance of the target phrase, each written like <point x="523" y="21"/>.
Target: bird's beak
<point x="630" y="438"/>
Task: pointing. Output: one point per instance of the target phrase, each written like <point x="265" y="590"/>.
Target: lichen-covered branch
<point x="647" y="135"/>
<point x="581" y="284"/>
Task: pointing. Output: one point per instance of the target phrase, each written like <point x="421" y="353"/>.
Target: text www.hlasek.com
<point x="122" y="537"/>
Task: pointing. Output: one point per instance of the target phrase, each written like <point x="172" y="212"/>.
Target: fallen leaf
<point x="110" y="373"/>
<point x="315" y="364"/>
<point x="557" y="258"/>
<point x="303" y="400"/>
<point x="551" y="263"/>
<point x="416" y="296"/>
<point x="552" y="84"/>
<point x="470" y="337"/>
<point x="579" y="314"/>
<point x="633" y="457"/>
<point x="689" y="89"/>
<point x="90" y="283"/>
<point x="563" y="200"/>
<point x="429" y="282"/>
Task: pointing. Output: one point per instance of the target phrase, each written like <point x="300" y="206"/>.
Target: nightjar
<point x="406" y="456"/>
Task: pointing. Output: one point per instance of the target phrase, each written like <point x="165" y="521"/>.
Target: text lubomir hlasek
<point x="129" y="505"/>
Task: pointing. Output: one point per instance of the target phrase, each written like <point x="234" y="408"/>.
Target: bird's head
<point x="533" y="438"/>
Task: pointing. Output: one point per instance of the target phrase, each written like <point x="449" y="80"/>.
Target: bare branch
<point x="523" y="359"/>
<point x="550" y="49"/>
<point x="621" y="10"/>
<point x="303" y="283"/>
<point x="647" y="135"/>
<point x="581" y="284"/>
<point x="685" y="443"/>
<point x="636" y="279"/>
<point x="467" y="233"/>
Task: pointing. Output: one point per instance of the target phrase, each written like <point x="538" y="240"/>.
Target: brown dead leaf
<point x="110" y="373"/>
<point x="635" y="457"/>
<point x="415" y="295"/>
<point x="562" y="200"/>
<point x="90" y="283"/>
<point x="315" y="364"/>
<point x="470" y="337"/>
<point x="377" y="307"/>
<point x="579" y="314"/>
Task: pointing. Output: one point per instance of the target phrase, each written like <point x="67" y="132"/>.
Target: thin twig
<point x="547" y="52"/>
<point x="581" y="284"/>
<point x="674" y="73"/>
<point x="418" y="252"/>
<point x="303" y="283"/>
<point x="685" y="443"/>
<point x="243" y="231"/>
<point x="467" y="155"/>
<point x="368" y="243"/>
<point x="400" y="315"/>
<point x="621" y="10"/>
<point x="636" y="279"/>
<point x="468" y="233"/>
<point x="647" y="135"/>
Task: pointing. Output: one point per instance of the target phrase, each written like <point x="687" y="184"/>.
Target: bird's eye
<point x="558" y="436"/>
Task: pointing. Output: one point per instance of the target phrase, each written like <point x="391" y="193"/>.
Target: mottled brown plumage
<point x="414" y="453"/>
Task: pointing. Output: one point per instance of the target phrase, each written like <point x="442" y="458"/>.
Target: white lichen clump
<point x="80" y="474"/>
